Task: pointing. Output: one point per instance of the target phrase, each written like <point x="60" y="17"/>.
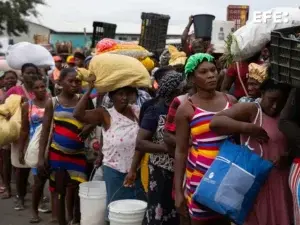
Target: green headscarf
<point x="194" y="60"/>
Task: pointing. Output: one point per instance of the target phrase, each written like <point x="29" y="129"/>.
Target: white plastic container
<point x="92" y="202"/>
<point x="220" y="31"/>
<point x="127" y="212"/>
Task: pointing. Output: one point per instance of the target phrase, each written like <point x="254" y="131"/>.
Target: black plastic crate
<point x="154" y="31"/>
<point x="285" y="56"/>
<point x="103" y="30"/>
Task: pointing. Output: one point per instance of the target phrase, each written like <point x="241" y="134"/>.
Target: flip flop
<point x="35" y="220"/>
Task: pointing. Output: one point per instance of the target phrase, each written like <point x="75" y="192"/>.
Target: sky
<point x="75" y="15"/>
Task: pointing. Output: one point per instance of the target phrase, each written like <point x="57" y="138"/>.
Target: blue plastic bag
<point x="232" y="183"/>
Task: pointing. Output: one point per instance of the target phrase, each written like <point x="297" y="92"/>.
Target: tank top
<point x="119" y="141"/>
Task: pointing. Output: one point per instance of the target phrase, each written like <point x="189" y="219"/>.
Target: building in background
<point x="40" y="34"/>
<point x="239" y="14"/>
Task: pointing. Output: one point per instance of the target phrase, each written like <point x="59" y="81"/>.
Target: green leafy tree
<point x="13" y="12"/>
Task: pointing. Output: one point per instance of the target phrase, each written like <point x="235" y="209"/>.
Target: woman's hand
<point x="130" y="179"/>
<point x="91" y="80"/>
<point x="21" y="158"/>
<point x="258" y="133"/>
<point x="42" y="166"/>
<point x="180" y="204"/>
<point x="85" y="132"/>
<point x="98" y="161"/>
<point x="191" y="20"/>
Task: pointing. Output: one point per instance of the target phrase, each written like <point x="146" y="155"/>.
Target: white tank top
<point x="119" y="140"/>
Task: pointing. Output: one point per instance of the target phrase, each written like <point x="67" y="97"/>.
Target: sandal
<point x="35" y="220"/>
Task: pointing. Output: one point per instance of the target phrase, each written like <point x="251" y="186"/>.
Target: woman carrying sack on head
<point x="119" y="131"/>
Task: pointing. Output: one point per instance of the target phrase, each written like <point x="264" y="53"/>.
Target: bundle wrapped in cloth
<point x="10" y="120"/>
<point x="114" y="71"/>
<point x="251" y="38"/>
<point x="108" y="45"/>
<point x="121" y="48"/>
<point x="17" y="55"/>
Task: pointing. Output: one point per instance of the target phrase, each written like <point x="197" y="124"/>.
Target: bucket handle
<point x="93" y="173"/>
<point x="135" y="191"/>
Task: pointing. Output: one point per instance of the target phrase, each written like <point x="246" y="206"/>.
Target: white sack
<point x="5" y="67"/>
<point x="251" y="38"/>
<point x="24" y="52"/>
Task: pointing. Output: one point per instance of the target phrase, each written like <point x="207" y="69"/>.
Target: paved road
<point x="8" y="216"/>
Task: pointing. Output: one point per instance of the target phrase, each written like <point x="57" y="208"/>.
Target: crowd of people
<point x="155" y="144"/>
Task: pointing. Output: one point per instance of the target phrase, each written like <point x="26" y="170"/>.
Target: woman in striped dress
<point x="192" y="120"/>
<point x="67" y="159"/>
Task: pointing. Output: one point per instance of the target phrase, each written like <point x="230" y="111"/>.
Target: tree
<point x="13" y="13"/>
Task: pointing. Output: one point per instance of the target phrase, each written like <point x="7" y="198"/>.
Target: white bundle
<point x="24" y="52"/>
<point x="251" y="38"/>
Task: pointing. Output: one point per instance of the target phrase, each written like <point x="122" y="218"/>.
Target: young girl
<point x="67" y="158"/>
<point x="32" y="118"/>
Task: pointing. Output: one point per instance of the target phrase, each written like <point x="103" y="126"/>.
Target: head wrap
<point x="257" y="72"/>
<point x="71" y="59"/>
<point x="168" y="84"/>
<point x="194" y="60"/>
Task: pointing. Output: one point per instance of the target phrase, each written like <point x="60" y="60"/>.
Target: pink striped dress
<point x="204" y="149"/>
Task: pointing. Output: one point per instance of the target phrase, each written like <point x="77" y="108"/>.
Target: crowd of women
<point x="155" y="145"/>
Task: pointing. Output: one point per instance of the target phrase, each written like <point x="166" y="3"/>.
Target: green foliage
<point x="13" y="12"/>
<point x="228" y="58"/>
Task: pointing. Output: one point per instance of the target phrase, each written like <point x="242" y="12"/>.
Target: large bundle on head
<point x="114" y="71"/>
<point x="176" y="57"/>
<point x="24" y="52"/>
<point x="112" y="46"/>
<point x="10" y="127"/>
<point x="251" y="38"/>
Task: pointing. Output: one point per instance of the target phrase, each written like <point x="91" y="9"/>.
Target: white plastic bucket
<point x="92" y="202"/>
<point x="127" y="212"/>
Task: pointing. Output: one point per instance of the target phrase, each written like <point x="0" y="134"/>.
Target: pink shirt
<point x="19" y="90"/>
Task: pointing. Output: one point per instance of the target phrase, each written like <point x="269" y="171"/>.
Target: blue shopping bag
<point x="230" y="186"/>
